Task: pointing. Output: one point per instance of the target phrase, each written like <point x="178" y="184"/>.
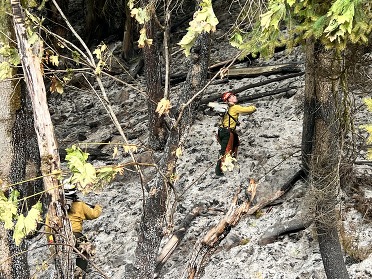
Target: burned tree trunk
<point x="322" y="152"/>
<point x="151" y="226"/>
<point x="48" y="149"/>
<point x="157" y="129"/>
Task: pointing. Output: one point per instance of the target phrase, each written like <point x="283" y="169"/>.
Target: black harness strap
<point x="236" y="120"/>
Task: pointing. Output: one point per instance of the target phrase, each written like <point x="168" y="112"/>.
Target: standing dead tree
<point x="48" y="147"/>
<point x="151" y="226"/>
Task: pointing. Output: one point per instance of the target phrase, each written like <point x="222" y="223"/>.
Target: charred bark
<point x="25" y="164"/>
<point x="291" y="226"/>
<point x="152" y="65"/>
<point x="56" y="22"/>
<point x="100" y="20"/>
<point x="151" y="226"/>
<point x="127" y="45"/>
<point x="323" y="151"/>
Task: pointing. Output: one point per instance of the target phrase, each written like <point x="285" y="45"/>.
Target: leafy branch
<point x="333" y="23"/>
<point x="204" y="20"/>
<point x="20" y="224"/>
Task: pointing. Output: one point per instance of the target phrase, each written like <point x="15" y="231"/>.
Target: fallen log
<point x="238" y="73"/>
<point x="204" y="248"/>
<point x="363" y="162"/>
<point x="265" y="94"/>
<point x="215" y="97"/>
<point x="208" y="111"/>
<point x="262" y="70"/>
<point x="249" y="58"/>
<point x="249" y="86"/>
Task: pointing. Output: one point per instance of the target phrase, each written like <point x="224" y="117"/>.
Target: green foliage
<point x="27" y="224"/>
<point x="11" y="60"/>
<point x="334" y="23"/>
<point x="24" y="224"/>
<point x="100" y="53"/>
<point x="204" y="20"/>
<point x="141" y="15"/>
<point x="84" y="174"/>
<point x="8" y="208"/>
<point x="9" y="54"/>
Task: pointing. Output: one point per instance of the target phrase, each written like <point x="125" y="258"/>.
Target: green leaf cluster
<point x="24" y="225"/>
<point x="27" y="224"/>
<point x="11" y="60"/>
<point x="84" y="174"/>
<point x="100" y="52"/>
<point x="204" y="20"/>
<point x="289" y="22"/>
<point x="141" y="15"/>
<point x="8" y="208"/>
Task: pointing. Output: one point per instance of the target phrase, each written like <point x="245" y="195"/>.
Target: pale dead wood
<point x="48" y="146"/>
<point x="204" y="248"/>
<point x="176" y="237"/>
<point x="263" y="70"/>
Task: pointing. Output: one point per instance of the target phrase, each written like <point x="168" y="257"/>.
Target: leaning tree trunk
<point x="18" y="162"/>
<point x="321" y="150"/>
<point x="157" y="129"/>
<point x="48" y="148"/>
<point x="151" y="227"/>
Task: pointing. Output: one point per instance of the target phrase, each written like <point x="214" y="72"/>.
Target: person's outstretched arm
<point x="92" y="213"/>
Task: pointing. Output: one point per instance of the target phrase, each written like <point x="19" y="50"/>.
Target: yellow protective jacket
<point x="79" y="212"/>
<point x="234" y="111"/>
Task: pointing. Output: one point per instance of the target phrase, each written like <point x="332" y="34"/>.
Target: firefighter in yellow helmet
<point x="226" y="135"/>
<point x="77" y="211"/>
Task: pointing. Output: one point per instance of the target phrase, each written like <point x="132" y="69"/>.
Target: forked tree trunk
<point x="151" y="227"/>
<point x="321" y="150"/>
<point x="48" y="148"/>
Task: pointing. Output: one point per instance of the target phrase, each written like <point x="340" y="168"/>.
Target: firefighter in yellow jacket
<point x="226" y="135"/>
<point x="78" y="211"/>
